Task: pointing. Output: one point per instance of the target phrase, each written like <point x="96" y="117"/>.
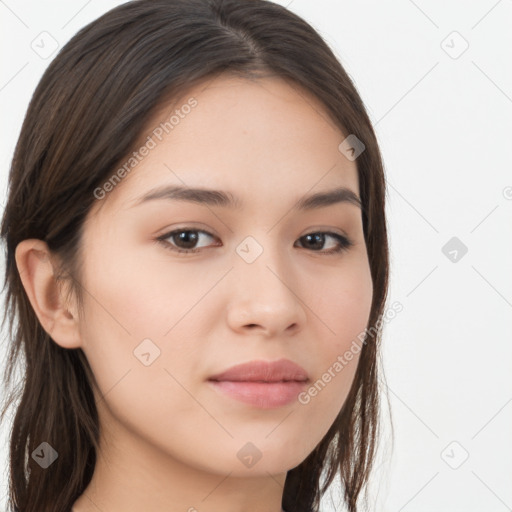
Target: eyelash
<point x="344" y="242"/>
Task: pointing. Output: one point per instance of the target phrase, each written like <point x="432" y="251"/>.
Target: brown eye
<point x="183" y="240"/>
<point x="316" y="241"/>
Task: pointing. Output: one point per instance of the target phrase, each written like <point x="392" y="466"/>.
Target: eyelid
<point x="325" y="229"/>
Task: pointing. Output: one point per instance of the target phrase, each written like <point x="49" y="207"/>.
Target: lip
<point x="265" y="371"/>
<point x="263" y="384"/>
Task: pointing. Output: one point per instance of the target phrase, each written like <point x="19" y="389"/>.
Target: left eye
<point x="183" y="240"/>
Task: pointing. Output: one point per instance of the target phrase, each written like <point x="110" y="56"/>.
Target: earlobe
<point x="38" y="277"/>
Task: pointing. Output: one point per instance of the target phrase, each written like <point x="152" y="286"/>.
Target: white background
<point x="444" y="125"/>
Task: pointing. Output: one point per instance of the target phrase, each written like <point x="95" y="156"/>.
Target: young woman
<point x="196" y="268"/>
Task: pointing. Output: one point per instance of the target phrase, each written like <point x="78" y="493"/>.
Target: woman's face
<point x="159" y="324"/>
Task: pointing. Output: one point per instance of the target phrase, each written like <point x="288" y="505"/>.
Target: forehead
<point x="252" y="137"/>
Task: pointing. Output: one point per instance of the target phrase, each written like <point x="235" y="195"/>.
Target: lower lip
<point x="265" y="395"/>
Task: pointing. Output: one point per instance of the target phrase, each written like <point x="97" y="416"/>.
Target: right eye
<point x="184" y="237"/>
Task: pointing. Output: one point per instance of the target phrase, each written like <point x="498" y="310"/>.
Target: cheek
<point x="141" y="296"/>
<point x="125" y="327"/>
<point x="343" y="307"/>
<point x="125" y="308"/>
<point x="343" y="304"/>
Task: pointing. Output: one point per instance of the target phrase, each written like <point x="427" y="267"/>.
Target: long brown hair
<point x="85" y="116"/>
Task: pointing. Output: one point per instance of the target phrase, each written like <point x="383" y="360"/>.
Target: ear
<point x="37" y="273"/>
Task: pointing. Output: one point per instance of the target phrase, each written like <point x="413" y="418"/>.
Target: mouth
<point x="262" y="384"/>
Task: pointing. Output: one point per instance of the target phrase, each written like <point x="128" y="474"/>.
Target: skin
<point x="169" y="441"/>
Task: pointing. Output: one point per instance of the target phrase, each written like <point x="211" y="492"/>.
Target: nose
<point x="266" y="297"/>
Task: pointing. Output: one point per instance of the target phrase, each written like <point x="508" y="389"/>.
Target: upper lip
<point x="263" y="371"/>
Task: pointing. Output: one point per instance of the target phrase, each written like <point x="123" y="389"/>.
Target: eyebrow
<point x="211" y="197"/>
